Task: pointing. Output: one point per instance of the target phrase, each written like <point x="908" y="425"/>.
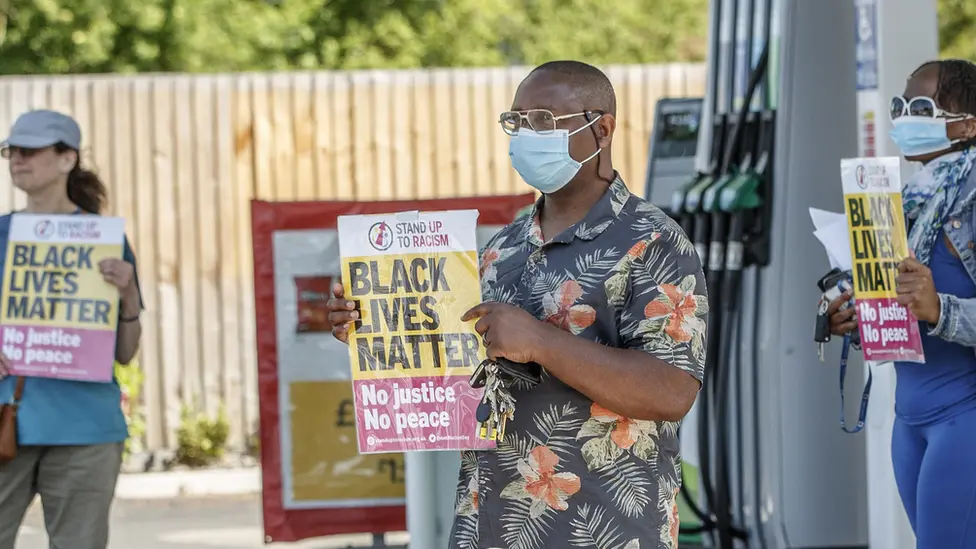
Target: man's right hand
<point x="841" y="322"/>
<point x="342" y="312"/>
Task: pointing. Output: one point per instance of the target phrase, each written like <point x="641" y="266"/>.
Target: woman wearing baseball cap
<point x="70" y="434"/>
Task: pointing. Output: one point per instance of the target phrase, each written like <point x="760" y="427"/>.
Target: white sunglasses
<point x="918" y="106"/>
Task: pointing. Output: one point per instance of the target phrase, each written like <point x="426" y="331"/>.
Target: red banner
<point x="314" y="481"/>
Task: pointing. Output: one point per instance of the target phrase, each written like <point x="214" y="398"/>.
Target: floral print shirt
<point x="569" y="472"/>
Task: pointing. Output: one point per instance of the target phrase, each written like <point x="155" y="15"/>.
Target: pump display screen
<point x="673" y="146"/>
<point x="678" y="135"/>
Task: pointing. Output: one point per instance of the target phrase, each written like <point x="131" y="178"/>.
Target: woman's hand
<point x="341" y="313"/>
<point x="916" y="290"/>
<point x="121" y="274"/>
<point x="4" y="366"/>
<point x="842" y="322"/>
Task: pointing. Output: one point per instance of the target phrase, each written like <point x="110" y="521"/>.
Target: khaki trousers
<point x="76" y="485"/>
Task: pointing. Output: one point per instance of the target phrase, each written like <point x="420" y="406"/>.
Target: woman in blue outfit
<point x="934" y="440"/>
<point x="70" y="433"/>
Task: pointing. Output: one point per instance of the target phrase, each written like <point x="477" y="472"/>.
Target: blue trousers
<point x="935" y="469"/>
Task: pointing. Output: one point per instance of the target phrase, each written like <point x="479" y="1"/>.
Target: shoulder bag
<point x="8" y="424"/>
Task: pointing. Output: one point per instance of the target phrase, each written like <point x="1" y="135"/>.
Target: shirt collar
<point x="597" y="220"/>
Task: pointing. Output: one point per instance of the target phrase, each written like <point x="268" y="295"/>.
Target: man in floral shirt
<point x="607" y="294"/>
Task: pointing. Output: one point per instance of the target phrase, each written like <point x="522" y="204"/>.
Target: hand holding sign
<point x="916" y="290"/>
<point x="842" y="322"/>
<point x="509" y="332"/>
<point x="121" y="274"/>
<point x="342" y="313"/>
<point x="4" y="366"/>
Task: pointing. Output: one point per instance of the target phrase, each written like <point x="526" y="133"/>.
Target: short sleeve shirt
<point x="56" y="412"/>
<point x="569" y="472"/>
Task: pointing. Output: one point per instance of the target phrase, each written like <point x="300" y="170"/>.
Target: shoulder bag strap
<point x="19" y="391"/>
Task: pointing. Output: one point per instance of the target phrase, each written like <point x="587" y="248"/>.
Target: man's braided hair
<point x="956" y="90"/>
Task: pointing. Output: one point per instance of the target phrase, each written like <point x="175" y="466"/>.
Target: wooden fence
<point x="182" y="156"/>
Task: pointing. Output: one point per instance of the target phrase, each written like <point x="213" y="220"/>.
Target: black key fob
<point x="530" y="373"/>
<point x="483" y="412"/>
<point x="821" y="333"/>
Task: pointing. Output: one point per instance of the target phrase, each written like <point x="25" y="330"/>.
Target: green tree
<point x="124" y="36"/>
<point x="957" y="29"/>
<point x="85" y="36"/>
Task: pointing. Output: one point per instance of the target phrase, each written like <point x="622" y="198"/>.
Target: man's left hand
<point x="508" y="332"/>
<point x="916" y="290"/>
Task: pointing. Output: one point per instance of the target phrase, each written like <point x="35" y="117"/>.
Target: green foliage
<point x="957" y="29"/>
<point x="130" y="380"/>
<point x="94" y="36"/>
<point x="97" y="36"/>
<point x="201" y="441"/>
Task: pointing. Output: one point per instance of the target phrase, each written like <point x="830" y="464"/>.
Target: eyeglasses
<point x="537" y="120"/>
<point x="7" y="152"/>
<point x="918" y="106"/>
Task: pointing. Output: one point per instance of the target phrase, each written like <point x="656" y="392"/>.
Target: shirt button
<point x="970" y="245"/>
<point x="956" y="224"/>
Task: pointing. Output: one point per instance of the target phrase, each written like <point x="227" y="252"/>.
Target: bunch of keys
<point x="832" y="285"/>
<point x="497" y="405"/>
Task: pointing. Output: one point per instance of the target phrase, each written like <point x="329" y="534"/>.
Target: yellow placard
<point x="878" y="242"/>
<point x="59" y="285"/>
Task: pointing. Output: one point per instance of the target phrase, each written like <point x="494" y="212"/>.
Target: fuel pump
<point x="687" y="200"/>
<point x="774" y="470"/>
<point x="727" y="203"/>
<point x="697" y="224"/>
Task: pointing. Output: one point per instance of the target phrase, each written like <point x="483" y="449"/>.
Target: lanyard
<point x="862" y="414"/>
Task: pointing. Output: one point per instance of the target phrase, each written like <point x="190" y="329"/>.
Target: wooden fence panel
<point x="183" y="155"/>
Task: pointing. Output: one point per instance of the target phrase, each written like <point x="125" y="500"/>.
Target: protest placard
<point x="879" y="242"/>
<point x="314" y="481"/>
<point x="58" y="315"/>
<point x="413" y="275"/>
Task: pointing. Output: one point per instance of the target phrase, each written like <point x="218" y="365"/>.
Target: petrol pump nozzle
<point x="741" y="201"/>
<point x="693" y="208"/>
<point x="678" y="200"/>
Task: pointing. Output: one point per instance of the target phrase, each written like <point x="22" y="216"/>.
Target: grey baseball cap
<point x="43" y="128"/>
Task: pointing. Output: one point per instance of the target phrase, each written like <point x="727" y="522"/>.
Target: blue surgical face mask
<point x="920" y="135"/>
<point x="543" y="160"/>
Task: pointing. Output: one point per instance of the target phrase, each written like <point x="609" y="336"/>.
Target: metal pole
<point x="421" y="499"/>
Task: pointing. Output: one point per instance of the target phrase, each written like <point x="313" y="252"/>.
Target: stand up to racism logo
<point x="380" y="236"/>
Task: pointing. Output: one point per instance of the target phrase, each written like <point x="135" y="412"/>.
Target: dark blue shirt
<point x="57" y="412"/>
<point x="945" y="385"/>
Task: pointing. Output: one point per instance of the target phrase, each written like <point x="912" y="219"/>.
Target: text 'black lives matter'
<point x="399" y="330"/>
<point x="43" y="285"/>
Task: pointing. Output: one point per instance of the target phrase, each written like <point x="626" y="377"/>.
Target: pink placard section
<point x="887" y="330"/>
<point x="404" y="414"/>
<point x="62" y="353"/>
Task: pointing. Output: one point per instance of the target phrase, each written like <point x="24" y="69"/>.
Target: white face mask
<point x="543" y="160"/>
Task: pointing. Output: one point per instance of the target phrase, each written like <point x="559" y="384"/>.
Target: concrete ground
<point x="207" y="509"/>
<point x="201" y="522"/>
